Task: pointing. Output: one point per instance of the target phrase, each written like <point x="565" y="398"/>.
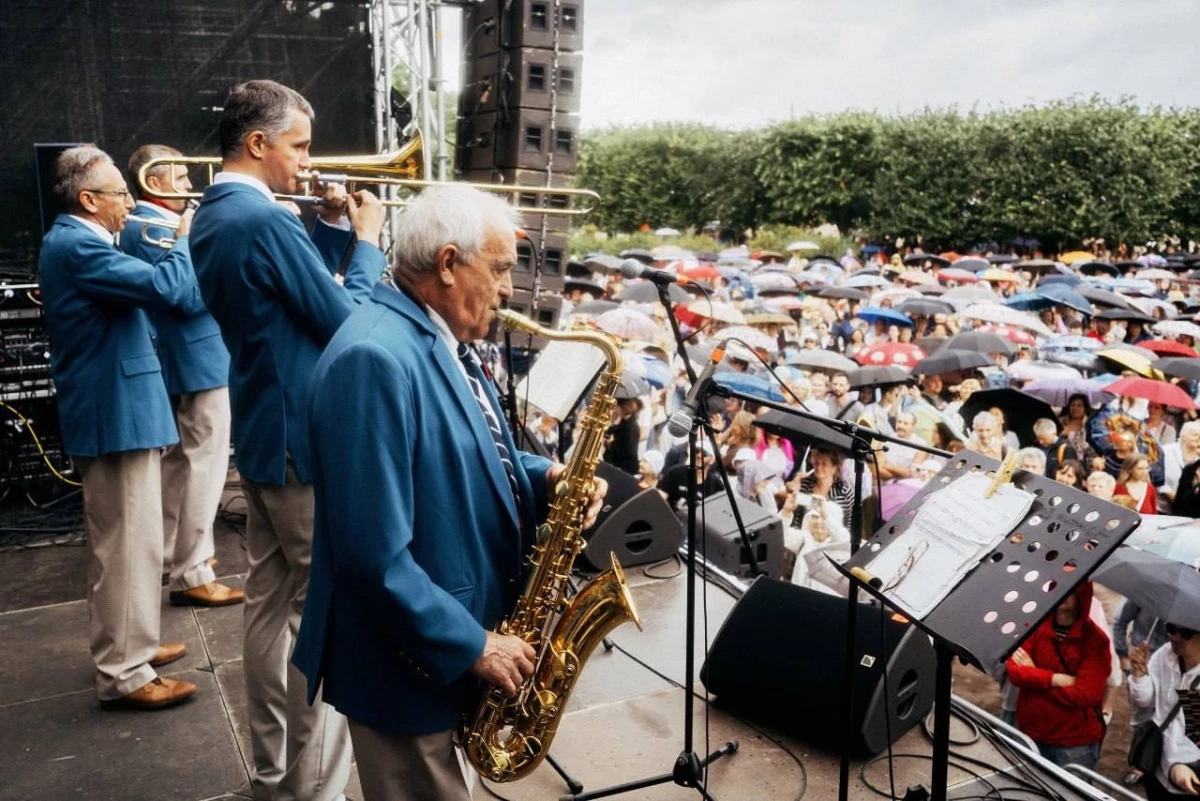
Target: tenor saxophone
<point x="507" y="738"/>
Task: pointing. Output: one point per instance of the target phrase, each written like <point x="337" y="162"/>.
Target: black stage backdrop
<point x="121" y="73"/>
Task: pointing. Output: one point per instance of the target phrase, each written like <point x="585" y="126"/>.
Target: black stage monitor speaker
<point x="723" y="543"/>
<point x="778" y="659"/>
<point x="635" y="524"/>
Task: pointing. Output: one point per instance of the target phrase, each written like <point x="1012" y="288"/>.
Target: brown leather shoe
<point x="158" y="694"/>
<point x="167" y="653"/>
<point x="210" y="594"/>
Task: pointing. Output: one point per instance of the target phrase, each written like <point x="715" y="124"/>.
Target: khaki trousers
<point x="409" y="767"/>
<point x="299" y="751"/>
<point x="122" y="511"/>
<point x="193" y="478"/>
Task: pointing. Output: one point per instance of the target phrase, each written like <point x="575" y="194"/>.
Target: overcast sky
<point x="749" y="62"/>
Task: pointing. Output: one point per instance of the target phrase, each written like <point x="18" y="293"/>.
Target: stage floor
<point x="624" y="723"/>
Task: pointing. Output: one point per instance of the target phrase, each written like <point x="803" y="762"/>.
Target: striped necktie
<point x="475" y="380"/>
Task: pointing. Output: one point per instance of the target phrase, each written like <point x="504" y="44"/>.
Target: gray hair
<point x="909" y="416"/>
<point x="985" y="417"/>
<point x="257" y="106"/>
<point x="1036" y="454"/>
<point x="1103" y="479"/>
<point x="1044" y="426"/>
<point x="1189" y="427"/>
<point x="75" y="170"/>
<point x="447" y="215"/>
<point x="147" y="153"/>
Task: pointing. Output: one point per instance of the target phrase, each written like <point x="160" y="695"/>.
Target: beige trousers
<point x="123" y="517"/>
<point x="193" y="477"/>
<point x="299" y="751"/>
<point x="408" y="767"/>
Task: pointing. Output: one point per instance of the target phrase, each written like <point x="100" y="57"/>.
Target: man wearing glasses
<point x="115" y="417"/>
<point x="1157" y="684"/>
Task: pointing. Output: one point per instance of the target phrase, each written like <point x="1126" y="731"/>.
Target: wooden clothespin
<point x="1004" y="474"/>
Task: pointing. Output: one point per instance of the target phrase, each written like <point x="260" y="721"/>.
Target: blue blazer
<point x="411" y="566"/>
<point x="277" y="305"/>
<point x="190" y="349"/>
<point x="111" y="395"/>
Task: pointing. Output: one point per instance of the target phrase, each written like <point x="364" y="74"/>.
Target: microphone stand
<point x="860" y="449"/>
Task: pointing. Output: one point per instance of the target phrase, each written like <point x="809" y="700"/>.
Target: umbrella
<point x="1075" y="255"/>
<point x="1130" y="359"/>
<point x="911" y="306"/>
<point x="1168" y="347"/>
<point x="1151" y="305"/>
<point x="632" y="385"/>
<point x="1157" y="391"/>
<point x="658" y="372"/>
<point x="701" y="272"/>
<point x="767" y="318"/>
<point x="1152" y="260"/>
<point x="721" y="312"/>
<point x="971" y="294"/>
<point x="641" y="291"/>
<point x="603" y="263"/>
<point x="802" y="431"/>
<point x="894" y="494"/>
<point x="873" y="313"/>
<point x="951" y="361"/>
<point x="821" y="361"/>
<point x="641" y="254"/>
<point x="1168" y="536"/>
<point x="1167" y="589"/>
<point x="1036" y="266"/>
<point x="1079" y="359"/>
<point x="1003" y="315"/>
<point x="784" y="302"/>
<point x="893" y="295"/>
<point x="595" y="307"/>
<point x="957" y="274"/>
<point x="1101" y="297"/>
<point x="1178" y="328"/>
<point x="1072" y="343"/>
<point x="927" y="419"/>
<point x="981" y="341"/>
<point x="1098" y="268"/>
<point x="751" y="338"/>
<point x="916" y="277"/>
<point x="666" y="232"/>
<point x="972" y="264"/>
<point x="759" y="386"/>
<point x="1029" y="301"/>
<point x="860" y="281"/>
<point x="1030" y="370"/>
<point x="1014" y="335"/>
<point x="842" y="292"/>
<point x="994" y="274"/>
<point x="934" y="289"/>
<point x="1156" y="274"/>
<point x="918" y="259"/>
<point x="1124" y="314"/>
<point x="878" y="376"/>
<point x="627" y="324"/>
<point x="899" y="353"/>
<point x="803" y="245"/>
<point x="1002" y="258"/>
<point x="774" y="282"/>
<point x="1059" y="278"/>
<point x="1021" y="410"/>
<point x="1179" y="367"/>
<point x="1064" y="295"/>
<point x="1057" y="391"/>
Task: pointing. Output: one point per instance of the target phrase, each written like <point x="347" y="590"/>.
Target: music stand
<point x="1064" y="537"/>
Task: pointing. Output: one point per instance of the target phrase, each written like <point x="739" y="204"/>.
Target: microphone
<point x="681" y="422"/>
<point x="632" y="268"/>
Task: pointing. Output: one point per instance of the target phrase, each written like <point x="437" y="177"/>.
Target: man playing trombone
<point x="278" y="305"/>
<point x="195" y="369"/>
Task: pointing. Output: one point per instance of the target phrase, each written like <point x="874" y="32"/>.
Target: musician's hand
<point x="333" y="203"/>
<point x="366" y="215"/>
<point x="185" y="222"/>
<point x="506" y="662"/>
<point x="1022" y="658"/>
<point x="595" y="500"/>
<point x="1185" y="779"/>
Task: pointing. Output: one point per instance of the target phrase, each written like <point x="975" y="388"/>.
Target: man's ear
<point x="256" y="143"/>
<point x="447" y="258"/>
<point x="87" y="202"/>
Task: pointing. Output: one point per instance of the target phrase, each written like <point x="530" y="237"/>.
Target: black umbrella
<point x="1098" y="268"/>
<point x="951" y="361"/>
<point x="641" y="291"/>
<point x="1180" y="367"/>
<point x="973" y="264"/>
<point x="1128" y="264"/>
<point x="1163" y="587"/>
<point x="1102" y="297"/>
<point x="1037" y="266"/>
<point x="1124" y="314"/>
<point x="982" y="341"/>
<point x="911" y="306"/>
<point x="878" y="376"/>
<point x="577" y="269"/>
<point x="1021" y="410"/>
<point x="801" y="431"/>
<point x="602" y="263"/>
<point x="842" y="292"/>
<point x="641" y="254"/>
<point x="595" y="307"/>
<point x="1002" y="258"/>
<point x="919" y="259"/>
<point x="594" y="288"/>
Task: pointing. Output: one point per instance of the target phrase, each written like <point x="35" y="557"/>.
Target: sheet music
<point x="954" y="529"/>
<point x="560" y="375"/>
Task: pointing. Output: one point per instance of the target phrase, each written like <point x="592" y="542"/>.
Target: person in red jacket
<point x="1061" y="671"/>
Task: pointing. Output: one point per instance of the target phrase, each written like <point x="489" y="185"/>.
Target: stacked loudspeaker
<point x="519" y="120"/>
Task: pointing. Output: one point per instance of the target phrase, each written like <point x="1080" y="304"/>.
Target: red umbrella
<point x="1168" y="347"/>
<point x="900" y="354"/>
<point x="1009" y="333"/>
<point x="701" y="271"/>
<point x="1151" y="390"/>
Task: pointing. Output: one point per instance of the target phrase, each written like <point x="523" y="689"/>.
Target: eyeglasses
<point x="122" y="193"/>
<point x="1180" y="632"/>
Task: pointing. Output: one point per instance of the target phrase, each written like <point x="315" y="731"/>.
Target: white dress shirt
<point x="1156" y="692"/>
